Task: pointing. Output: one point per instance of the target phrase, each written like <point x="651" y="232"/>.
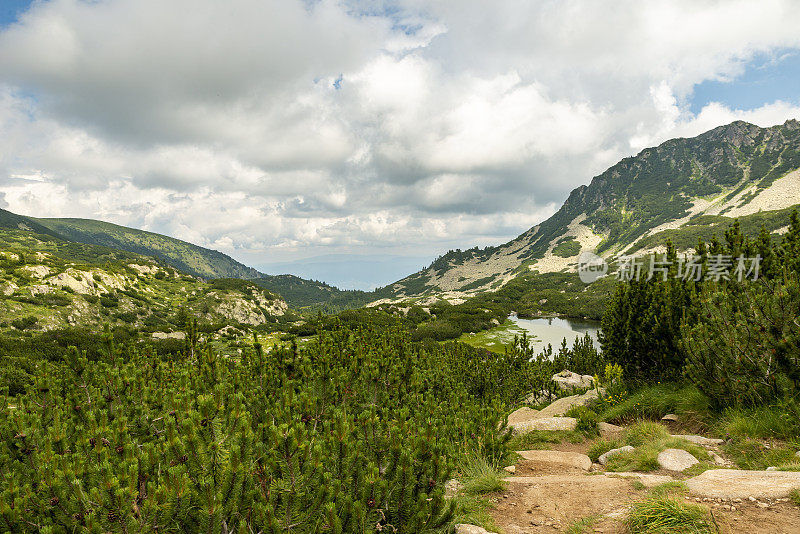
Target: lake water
<point x="554" y="329"/>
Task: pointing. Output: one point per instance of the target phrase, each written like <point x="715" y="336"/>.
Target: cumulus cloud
<point x="265" y="127"/>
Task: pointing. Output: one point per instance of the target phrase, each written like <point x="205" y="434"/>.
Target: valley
<point x="153" y="385"/>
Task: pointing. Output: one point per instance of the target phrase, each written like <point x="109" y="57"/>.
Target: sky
<point x="279" y="131"/>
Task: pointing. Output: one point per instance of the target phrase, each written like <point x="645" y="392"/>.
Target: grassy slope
<point x="128" y="289"/>
<point x="184" y="256"/>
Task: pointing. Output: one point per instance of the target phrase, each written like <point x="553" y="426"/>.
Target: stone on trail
<point x="676" y="459"/>
<point x="568" y="381"/>
<point x="603" y="459"/>
<point x="510" y="469"/>
<point x="699" y="440"/>
<point x="550" y="424"/>
<point x="739" y="484"/>
<point x="570" y="459"/>
<point x="462" y="528"/>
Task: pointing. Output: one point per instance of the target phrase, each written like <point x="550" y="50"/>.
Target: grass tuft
<point x="473" y="510"/>
<point x="664" y="514"/>
<point x="780" y="421"/>
<point x="753" y="454"/>
<point x="794" y="496"/>
<point x="582" y="525"/>
<point x="480" y="477"/>
<point x="645" y="431"/>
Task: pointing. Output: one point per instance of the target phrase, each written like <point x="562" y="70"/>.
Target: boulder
<point x="738" y="484"/>
<point x="510" y="469"/>
<point x="603" y="459"/>
<point x="521" y="415"/>
<point x="700" y="440"/>
<point x="568" y="381"/>
<point x="550" y="424"/>
<point x="670" y="417"/>
<point x="569" y="459"/>
<point x="462" y="528"/>
<point x="676" y="459"/>
<point x="562" y="405"/>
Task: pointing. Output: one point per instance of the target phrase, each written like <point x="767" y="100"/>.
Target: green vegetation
<point x="662" y="512"/>
<point x="479" y="476"/>
<point x="189" y="258"/>
<point x="669" y="515"/>
<point x="582" y="525"/>
<point x="359" y="429"/>
<point x="567" y="248"/>
<point x="649" y="439"/>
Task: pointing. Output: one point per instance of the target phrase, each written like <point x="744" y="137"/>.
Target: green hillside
<point x="301" y="293"/>
<point x="189" y="258"/>
<point x="47" y="283"/>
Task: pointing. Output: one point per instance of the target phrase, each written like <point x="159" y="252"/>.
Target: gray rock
<point x="676" y="459"/>
<point x="510" y="469"/>
<point x="563" y="405"/>
<point x="521" y="415"/>
<point x="569" y="459"/>
<point x="772" y="468"/>
<point x="670" y="417"/>
<point x="568" y="381"/>
<point x="734" y="483"/>
<point x="550" y="424"/>
<point x="603" y="459"/>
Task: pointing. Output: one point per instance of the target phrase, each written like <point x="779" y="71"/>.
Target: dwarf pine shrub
<point x="355" y="433"/>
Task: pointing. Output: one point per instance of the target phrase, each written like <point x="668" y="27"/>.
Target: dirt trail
<point x="551" y="497"/>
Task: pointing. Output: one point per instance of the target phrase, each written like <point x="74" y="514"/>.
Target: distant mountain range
<point x="682" y="189"/>
<point x="186" y="257"/>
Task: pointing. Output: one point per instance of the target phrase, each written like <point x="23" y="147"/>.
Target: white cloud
<point x="264" y="126"/>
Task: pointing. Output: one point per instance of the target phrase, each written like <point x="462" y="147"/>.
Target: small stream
<point x="553" y="330"/>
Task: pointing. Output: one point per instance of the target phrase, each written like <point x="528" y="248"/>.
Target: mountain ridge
<point x="733" y="170"/>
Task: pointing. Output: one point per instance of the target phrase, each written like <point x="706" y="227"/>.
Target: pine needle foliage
<point x="355" y="433"/>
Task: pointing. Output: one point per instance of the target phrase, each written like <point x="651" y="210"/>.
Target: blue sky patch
<point x="767" y="78"/>
<point x="10" y="9"/>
